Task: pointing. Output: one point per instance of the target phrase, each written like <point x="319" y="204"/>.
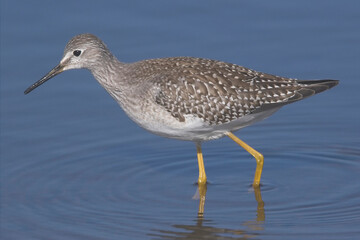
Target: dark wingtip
<point x="325" y="82"/>
<point x="319" y="86"/>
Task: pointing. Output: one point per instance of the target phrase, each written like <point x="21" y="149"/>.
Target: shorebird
<point x="187" y="98"/>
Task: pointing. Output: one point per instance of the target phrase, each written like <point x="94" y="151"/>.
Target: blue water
<point x="73" y="166"/>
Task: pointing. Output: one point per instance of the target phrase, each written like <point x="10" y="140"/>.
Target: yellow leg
<point x="202" y="197"/>
<point x="258" y="156"/>
<point x="202" y="174"/>
<point x="260" y="213"/>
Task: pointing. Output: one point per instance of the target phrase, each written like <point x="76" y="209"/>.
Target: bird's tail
<point x="305" y="88"/>
<point x="317" y="86"/>
<point x="309" y="88"/>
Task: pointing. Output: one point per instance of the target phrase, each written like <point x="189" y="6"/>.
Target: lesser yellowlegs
<point x="187" y="98"/>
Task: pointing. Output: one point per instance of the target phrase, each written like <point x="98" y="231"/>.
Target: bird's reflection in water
<point x="202" y="228"/>
<point x="257" y="224"/>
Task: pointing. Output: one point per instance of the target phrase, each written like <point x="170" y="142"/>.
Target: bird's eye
<point x="77" y="53"/>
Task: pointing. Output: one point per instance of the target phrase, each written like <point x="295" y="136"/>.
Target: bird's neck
<point x="114" y="78"/>
<point x="109" y="75"/>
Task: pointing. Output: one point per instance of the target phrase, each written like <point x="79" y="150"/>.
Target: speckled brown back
<point x="215" y="91"/>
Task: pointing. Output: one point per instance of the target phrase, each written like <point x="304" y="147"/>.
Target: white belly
<point x="157" y="120"/>
<point x="193" y="128"/>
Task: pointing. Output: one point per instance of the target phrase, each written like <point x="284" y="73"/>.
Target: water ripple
<point x="111" y="189"/>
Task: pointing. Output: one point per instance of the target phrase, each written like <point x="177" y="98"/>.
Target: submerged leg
<point x="201" y="196"/>
<point x="202" y="174"/>
<point x="258" y="156"/>
<point x="260" y="213"/>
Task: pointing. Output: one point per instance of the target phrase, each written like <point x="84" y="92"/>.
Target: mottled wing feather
<point x="215" y="91"/>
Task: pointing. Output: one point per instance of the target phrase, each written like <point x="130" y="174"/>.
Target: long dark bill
<point x="55" y="71"/>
